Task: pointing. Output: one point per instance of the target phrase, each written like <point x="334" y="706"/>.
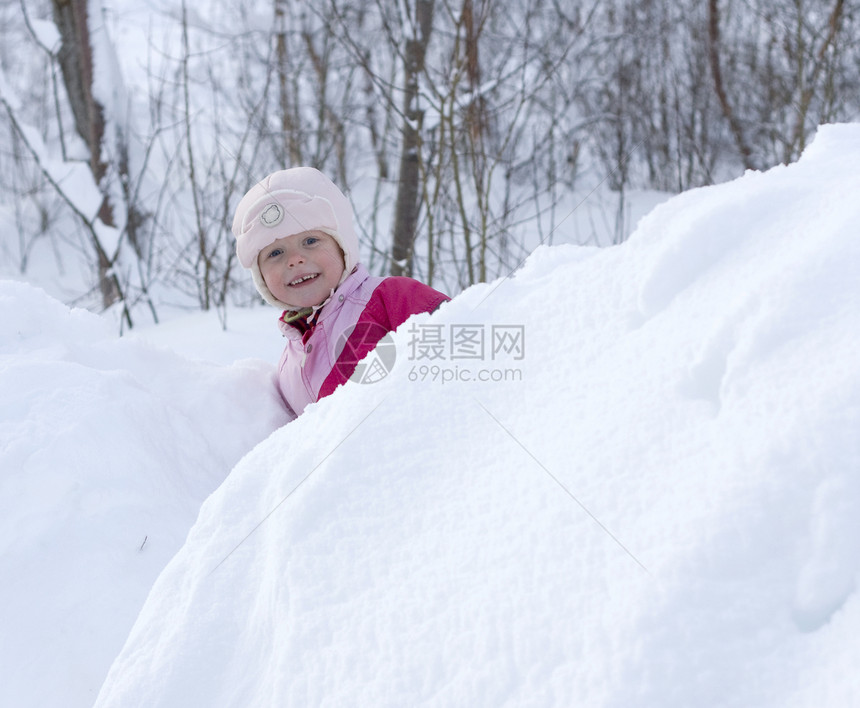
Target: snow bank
<point x="107" y="449"/>
<point x="663" y="511"/>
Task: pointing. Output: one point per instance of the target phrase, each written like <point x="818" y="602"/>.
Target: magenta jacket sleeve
<point x="393" y="302"/>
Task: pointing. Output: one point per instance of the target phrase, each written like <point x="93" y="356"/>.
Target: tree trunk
<point x="714" y="57"/>
<point x="408" y="191"/>
<point x="289" y="127"/>
<point x="76" y="62"/>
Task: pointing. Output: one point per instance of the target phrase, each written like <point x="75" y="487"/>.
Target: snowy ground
<point x="653" y="501"/>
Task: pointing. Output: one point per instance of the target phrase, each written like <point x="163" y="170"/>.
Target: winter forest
<point x="465" y="131"/>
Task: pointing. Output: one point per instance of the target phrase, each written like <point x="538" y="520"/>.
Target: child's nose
<point x="295" y="258"/>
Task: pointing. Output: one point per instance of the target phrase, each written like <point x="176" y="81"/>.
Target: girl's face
<point x="302" y="269"/>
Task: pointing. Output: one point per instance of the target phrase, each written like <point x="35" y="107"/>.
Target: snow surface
<point x="107" y="449"/>
<point x="658" y="507"/>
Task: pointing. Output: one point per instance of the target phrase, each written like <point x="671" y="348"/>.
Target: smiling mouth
<point x="303" y="279"/>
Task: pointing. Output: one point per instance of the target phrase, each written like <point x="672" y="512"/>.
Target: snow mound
<point x="107" y="449"/>
<point x="661" y="509"/>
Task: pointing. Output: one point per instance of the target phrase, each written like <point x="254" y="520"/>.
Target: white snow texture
<point x="659" y="506"/>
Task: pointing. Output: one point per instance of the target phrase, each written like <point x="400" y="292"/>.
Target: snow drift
<point x="623" y="477"/>
<point x="663" y="510"/>
<point x="107" y="449"/>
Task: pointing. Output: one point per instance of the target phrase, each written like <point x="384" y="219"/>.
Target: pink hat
<point x="291" y="202"/>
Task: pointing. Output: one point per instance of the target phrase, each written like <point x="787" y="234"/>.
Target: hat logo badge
<point x="272" y="215"/>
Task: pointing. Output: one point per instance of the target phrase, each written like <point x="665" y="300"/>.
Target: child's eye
<point x="274" y="252"/>
<point x="311" y="240"/>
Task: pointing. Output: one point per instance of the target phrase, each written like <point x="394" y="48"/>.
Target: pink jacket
<point x="321" y="356"/>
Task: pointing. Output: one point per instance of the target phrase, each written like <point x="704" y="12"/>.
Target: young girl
<point x="294" y="232"/>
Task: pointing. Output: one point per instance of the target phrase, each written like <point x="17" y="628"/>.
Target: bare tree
<point x="813" y="75"/>
<point x="460" y="127"/>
